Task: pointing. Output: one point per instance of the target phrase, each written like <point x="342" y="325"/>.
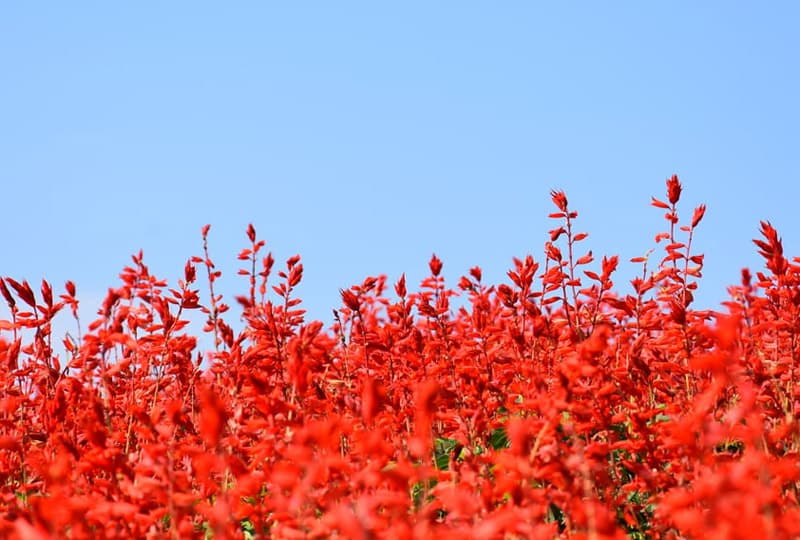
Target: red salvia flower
<point x="212" y="415"/>
<point x="699" y="212"/>
<point x="673" y="189"/>
<point x="548" y="406"/>
<point x="435" y="265"/>
<point x="350" y="300"/>
<point x="559" y="199"/>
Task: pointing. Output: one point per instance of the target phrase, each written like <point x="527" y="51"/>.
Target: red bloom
<point x="673" y="189"/>
<point x="559" y="199"/>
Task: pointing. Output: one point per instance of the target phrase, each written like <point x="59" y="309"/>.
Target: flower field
<point x="550" y="406"/>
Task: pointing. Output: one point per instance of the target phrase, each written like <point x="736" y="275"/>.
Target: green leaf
<point x="248" y="529"/>
<point x="498" y="438"/>
<point x="442" y="448"/>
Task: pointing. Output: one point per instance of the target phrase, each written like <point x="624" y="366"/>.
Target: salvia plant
<point x="549" y="406"/>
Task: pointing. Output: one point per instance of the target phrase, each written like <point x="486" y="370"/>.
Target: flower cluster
<point x="550" y="406"/>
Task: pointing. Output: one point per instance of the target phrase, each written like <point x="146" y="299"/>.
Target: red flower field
<point x="550" y="406"/>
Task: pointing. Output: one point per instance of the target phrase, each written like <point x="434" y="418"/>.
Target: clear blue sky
<point x="366" y="136"/>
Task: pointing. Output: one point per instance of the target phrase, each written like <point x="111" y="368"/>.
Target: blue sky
<point x="366" y="136"/>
